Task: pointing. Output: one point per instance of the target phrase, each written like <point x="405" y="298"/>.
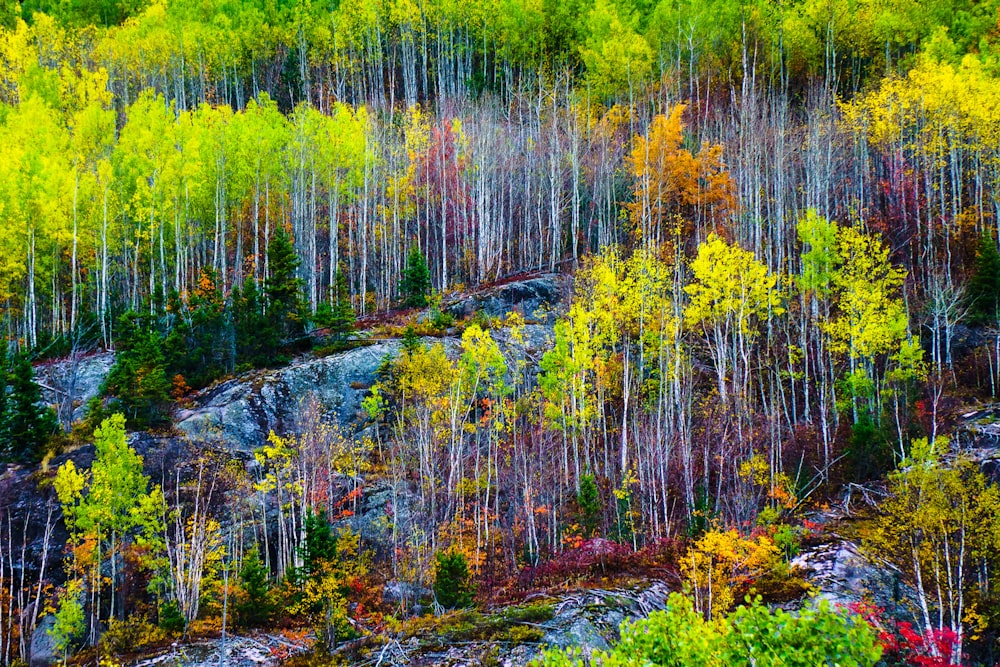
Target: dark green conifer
<point x="284" y="289"/>
<point x="984" y="286"/>
<point x="416" y="283"/>
<point x="452" y="584"/>
<point x="29" y="423"/>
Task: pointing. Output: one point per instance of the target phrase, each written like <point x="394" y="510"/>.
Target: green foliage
<point x="28" y="425"/>
<point x="253" y="606"/>
<point x="339" y="317"/>
<point x="751" y="635"/>
<point x="69" y="623"/>
<point x="415" y="285"/>
<point x="320" y="546"/>
<point x="171" y="619"/>
<point x="588" y="499"/>
<point x="138" y="381"/>
<point x="984" y="286"/>
<point x="284" y="292"/>
<point x="452" y="585"/>
<point x="253" y="331"/>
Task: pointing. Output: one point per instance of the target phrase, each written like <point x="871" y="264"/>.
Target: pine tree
<point x="139" y="379"/>
<point x="343" y="311"/>
<point x="416" y="283"/>
<point x="320" y="545"/>
<point x="339" y="318"/>
<point x="452" y="586"/>
<point x="984" y="286"/>
<point x="589" y="501"/>
<point x="253" y="607"/>
<point x="30" y="424"/>
<point x="252" y="330"/>
<point x="283" y="287"/>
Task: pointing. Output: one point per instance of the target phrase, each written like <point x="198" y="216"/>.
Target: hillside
<point x="418" y="332"/>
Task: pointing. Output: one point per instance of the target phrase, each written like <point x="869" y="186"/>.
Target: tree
<point x="320" y="546"/>
<point x="452" y="587"/>
<point x="108" y="510"/>
<point x="338" y="317"/>
<point x="139" y="381"/>
<point x="29" y="423"/>
<point x="253" y="606"/>
<point x="284" y="290"/>
<point x="69" y="622"/>
<point x="984" y="286"/>
<point x="252" y="330"/>
<point x="416" y="283"/>
<point x="941" y="527"/>
<point x="588" y="499"/>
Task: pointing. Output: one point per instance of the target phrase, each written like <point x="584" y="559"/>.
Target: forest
<point x="772" y="228"/>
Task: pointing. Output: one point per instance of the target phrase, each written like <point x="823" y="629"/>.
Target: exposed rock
<point x="69" y="383"/>
<point x="43" y="649"/>
<point x="843" y="574"/>
<point x="241" y="412"/>
<point x="260" y="650"/>
<point x="533" y="298"/>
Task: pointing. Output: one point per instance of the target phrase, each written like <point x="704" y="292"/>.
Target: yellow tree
<point x="941" y="527"/>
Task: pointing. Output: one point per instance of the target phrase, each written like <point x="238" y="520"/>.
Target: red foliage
<point x="598" y="558"/>
<point x="903" y="645"/>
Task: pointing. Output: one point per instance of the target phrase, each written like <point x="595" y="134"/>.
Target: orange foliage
<point x="672" y="184"/>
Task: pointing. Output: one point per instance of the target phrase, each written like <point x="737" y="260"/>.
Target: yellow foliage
<point x="721" y="561"/>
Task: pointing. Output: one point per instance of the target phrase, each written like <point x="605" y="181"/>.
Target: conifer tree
<point x="343" y="311"/>
<point x="984" y="286"/>
<point x="251" y="328"/>
<point x="339" y="318"/>
<point x="416" y="283"/>
<point x="589" y="501"/>
<point x="452" y="587"/>
<point x="320" y="545"/>
<point x="29" y="424"/>
<point x="284" y="287"/>
<point x="253" y="608"/>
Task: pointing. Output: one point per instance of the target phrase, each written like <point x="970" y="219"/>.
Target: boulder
<point x="242" y="412"/>
<point x="843" y="574"/>
<point x="535" y="298"/>
<point x="70" y="383"/>
<point x="43" y="648"/>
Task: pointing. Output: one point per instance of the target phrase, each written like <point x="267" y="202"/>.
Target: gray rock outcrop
<point x="69" y="383"/>
<point x="242" y="412"/>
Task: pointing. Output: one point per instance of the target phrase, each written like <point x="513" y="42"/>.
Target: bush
<point x="126" y="636"/>
<point x="752" y="635"/>
<point x="171" y="619"/>
<point x="452" y="587"/>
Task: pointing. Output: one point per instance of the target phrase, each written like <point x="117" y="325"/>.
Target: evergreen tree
<point x="253" y="606"/>
<point x="253" y="332"/>
<point x="452" y="586"/>
<point x="589" y="501"/>
<point x="284" y="287"/>
<point x="416" y="283"/>
<point x="139" y="380"/>
<point x="984" y="286"/>
<point x="29" y="424"/>
<point x="343" y="311"/>
<point x="339" y="318"/>
<point x="320" y="545"/>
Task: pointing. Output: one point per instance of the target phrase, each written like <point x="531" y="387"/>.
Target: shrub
<point x="752" y="635"/>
